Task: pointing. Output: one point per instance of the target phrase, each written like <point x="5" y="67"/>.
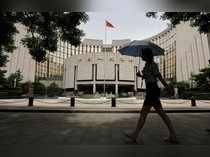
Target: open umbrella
<point x="135" y="47"/>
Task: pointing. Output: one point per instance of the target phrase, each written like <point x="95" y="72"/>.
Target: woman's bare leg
<point x="144" y="112"/>
<point x="167" y="121"/>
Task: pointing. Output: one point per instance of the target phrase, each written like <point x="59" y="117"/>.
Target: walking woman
<point x="151" y="75"/>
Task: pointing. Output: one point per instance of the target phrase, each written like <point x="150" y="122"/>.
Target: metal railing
<point x="113" y="101"/>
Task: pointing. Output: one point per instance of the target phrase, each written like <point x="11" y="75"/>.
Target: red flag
<point x="108" y="24"/>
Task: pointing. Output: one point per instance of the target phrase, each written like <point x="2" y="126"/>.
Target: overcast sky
<point x="128" y="25"/>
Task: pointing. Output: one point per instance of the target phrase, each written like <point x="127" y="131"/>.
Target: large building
<point x="186" y="52"/>
<point x="192" y="51"/>
<point x="167" y="40"/>
<point x="52" y="70"/>
<point x="74" y="68"/>
<point x="20" y="59"/>
<point x="101" y="68"/>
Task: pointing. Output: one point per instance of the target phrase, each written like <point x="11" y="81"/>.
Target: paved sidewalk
<point x="94" y="134"/>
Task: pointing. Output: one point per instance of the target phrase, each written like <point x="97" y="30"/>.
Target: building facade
<point x="192" y="51"/>
<point x="20" y="59"/>
<point x="101" y="71"/>
<point x="186" y="52"/>
<point x="167" y="40"/>
<point x="105" y="70"/>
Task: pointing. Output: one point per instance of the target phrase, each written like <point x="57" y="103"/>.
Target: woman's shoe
<point x="130" y="136"/>
<point x="208" y="130"/>
<point x="131" y="140"/>
<point x="171" y="141"/>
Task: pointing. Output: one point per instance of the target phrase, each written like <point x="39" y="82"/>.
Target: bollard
<point x="113" y="102"/>
<point x="193" y="101"/>
<point x="30" y="101"/>
<point x="72" y="102"/>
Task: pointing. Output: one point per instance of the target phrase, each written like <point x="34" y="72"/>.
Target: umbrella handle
<point x="139" y="60"/>
<point x="141" y="83"/>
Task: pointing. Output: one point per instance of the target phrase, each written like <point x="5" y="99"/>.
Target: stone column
<point x="117" y="81"/>
<point x="116" y="89"/>
<point x="94" y="76"/>
<point x="94" y="88"/>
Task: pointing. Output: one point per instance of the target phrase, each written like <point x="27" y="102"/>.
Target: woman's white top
<point x="151" y="72"/>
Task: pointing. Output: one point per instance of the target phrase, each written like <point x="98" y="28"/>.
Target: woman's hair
<point x="147" y="52"/>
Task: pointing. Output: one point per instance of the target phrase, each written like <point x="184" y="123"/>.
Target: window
<point x="108" y="49"/>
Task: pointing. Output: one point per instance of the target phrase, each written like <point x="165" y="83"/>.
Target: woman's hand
<point x="139" y="74"/>
<point x="170" y="90"/>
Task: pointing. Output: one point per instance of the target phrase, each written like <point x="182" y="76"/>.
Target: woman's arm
<point x="168" y="88"/>
<point x="162" y="81"/>
<point x="138" y="74"/>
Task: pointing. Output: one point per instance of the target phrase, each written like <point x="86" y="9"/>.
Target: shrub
<point x="39" y="88"/>
<point x="123" y="94"/>
<point x="11" y="93"/>
<point x="25" y="87"/>
<point x="182" y="87"/>
<point x="15" y="92"/>
<point x="54" y="90"/>
<point x="196" y="94"/>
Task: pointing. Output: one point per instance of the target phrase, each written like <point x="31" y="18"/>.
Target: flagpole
<point x="105" y="34"/>
<point x="104" y="59"/>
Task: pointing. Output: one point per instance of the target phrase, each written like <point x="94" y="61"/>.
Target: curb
<point x="96" y="110"/>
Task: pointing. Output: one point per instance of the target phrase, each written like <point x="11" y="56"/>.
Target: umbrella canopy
<point x="135" y="47"/>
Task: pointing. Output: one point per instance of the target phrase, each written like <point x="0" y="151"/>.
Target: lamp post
<point x="30" y="94"/>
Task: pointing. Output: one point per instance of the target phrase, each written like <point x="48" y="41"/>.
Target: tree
<point x="7" y="32"/>
<point x="38" y="88"/>
<point x="44" y="30"/>
<point x="202" y="80"/>
<point x="201" y="20"/>
<point x="182" y="86"/>
<point x="25" y="87"/>
<point x="3" y="80"/>
<point x="14" y="79"/>
<point x="54" y="90"/>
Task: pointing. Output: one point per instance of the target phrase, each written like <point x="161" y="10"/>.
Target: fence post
<point x="30" y="100"/>
<point x="30" y="94"/>
<point x="113" y="102"/>
<point x="72" y="102"/>
<point x="193" y="101"/>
